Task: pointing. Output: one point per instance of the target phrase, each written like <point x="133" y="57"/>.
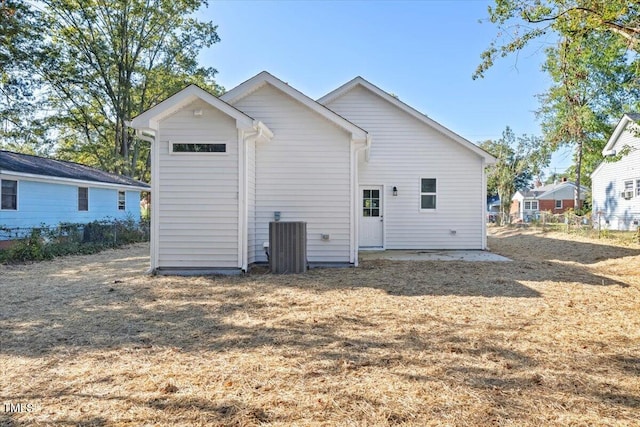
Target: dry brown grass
<point x="552" y="338"/>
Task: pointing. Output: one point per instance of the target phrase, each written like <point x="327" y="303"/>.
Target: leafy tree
<point x="22" y="127"/>
<point x="592" y="85"/>
<point x="594" y="67"/>
<point x="107" y="61"/>
<point x="518" y="160"/>
<point x="520" y="21"/>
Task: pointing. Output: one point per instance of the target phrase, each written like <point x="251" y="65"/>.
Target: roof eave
<point x="149" y="120"/>
<point x="73" y="180"/>
<point x="617" y="131"/>
<point x="249" y="86"/>
<point x="335" y="94"/>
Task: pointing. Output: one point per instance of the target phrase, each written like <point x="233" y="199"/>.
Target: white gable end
<point x="304" y="173"/>
<point x="616" y="184"/>
<point x="405" y="150"/>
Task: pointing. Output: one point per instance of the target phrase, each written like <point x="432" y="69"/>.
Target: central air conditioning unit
<point x="287" y="247"/>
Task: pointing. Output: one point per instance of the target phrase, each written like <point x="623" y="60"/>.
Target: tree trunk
<point x="577" y="202"/>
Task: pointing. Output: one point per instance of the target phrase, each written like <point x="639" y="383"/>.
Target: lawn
<point x="552" y="338"/>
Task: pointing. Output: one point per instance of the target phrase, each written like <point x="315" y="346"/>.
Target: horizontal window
<point x="9" y="194"/>
<point x="531" y="205"/>
<point x="201" y="147"/>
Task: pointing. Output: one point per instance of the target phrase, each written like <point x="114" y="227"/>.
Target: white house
<point x="438" y="176"/>
<point x="361" y="168"/>
<point x="616" y="184"/>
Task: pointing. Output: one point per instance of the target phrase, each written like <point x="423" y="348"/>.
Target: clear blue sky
<point x="423" y="51"/>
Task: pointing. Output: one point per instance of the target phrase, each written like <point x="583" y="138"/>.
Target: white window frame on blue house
<point x="83" y="198"/>
<point x="122" y="200"/>
<point x="15" y="195"/>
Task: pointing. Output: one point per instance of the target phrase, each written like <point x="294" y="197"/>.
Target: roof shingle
<point x="26" y="163"/>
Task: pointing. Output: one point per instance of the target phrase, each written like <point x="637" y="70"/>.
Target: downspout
<point x="484" y="205"/>
<point x="354" y="198"/>
<point x="140" y="134"/>
<point x="155" y="224"/>
<point x="248" y="138"/>
<point x="242" y="202"/>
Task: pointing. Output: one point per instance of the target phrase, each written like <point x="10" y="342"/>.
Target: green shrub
<point x="44" y="242"/>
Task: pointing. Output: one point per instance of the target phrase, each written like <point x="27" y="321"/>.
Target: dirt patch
<point x="552" y="338"/>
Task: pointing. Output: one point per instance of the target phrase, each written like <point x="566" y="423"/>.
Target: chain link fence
<point x="593" y="224"/>
<point x="45" y="241"/>
<point x="568" y="218"/>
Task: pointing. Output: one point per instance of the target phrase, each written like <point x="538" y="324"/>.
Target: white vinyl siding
<point x="251" y="201"/>
<point x="403" y="151"/>
<point x="198" y="192"/>
<point x="303" y="172"/>
<point x="609" y="181"/>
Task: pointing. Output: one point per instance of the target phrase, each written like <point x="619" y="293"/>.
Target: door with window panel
<point x="371" y="217"/>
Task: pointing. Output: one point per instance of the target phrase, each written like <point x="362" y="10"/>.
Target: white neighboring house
<point x="616" y="185"/>
<point x="372" y="173"/>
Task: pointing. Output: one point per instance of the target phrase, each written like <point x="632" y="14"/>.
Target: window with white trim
<point x="9" y="194"/>
<point x="558" y="204"/>
<point x="83" y="199"/>
<point x="531" y="205"/>
<point x="428" y="193"/>
<point x="122" y="200"/>
<point x="200" y="147"/>
<point x="637" y="187"/>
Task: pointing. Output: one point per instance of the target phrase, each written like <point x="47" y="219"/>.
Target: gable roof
<point x="150" y="118"/>
<point x="617" y="131"/>
<point x="547" y="190"/>
<point x="29" y="165"/>
<point x="359" y="81"/>
<point x="256" y="82"/>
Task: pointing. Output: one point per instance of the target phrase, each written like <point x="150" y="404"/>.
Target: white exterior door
<point x="371" y="217"/>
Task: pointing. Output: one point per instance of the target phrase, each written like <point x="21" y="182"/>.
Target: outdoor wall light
<point x="395" y="190"/>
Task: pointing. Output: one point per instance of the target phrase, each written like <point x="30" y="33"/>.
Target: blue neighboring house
<point x="37" y="190"/>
